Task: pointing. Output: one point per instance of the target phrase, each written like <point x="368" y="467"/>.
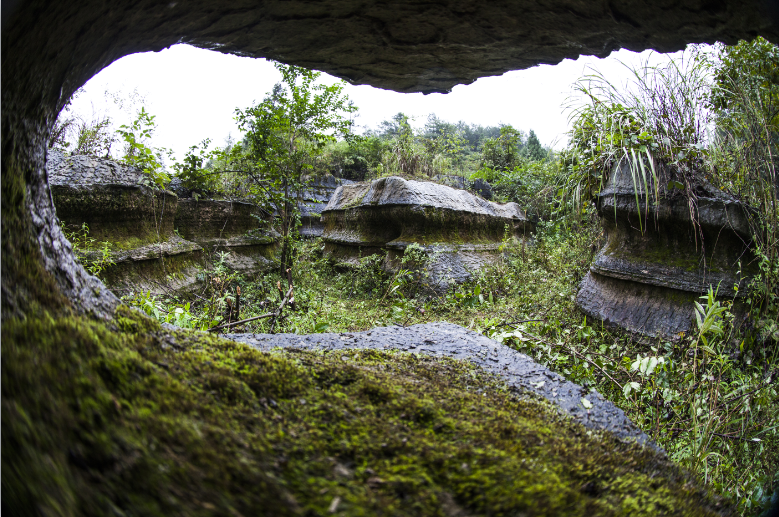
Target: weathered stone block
<point x="460" y="231"/>
<point x="315" y="197"/>
<point x="231" y="226"/>
<point x="121" y="208"/>
<point x="114" y="200"/>
<point x="657" y="260"/>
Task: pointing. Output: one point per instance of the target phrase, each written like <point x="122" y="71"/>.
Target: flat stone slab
<point x="519" y="371"/>
<point x="398" y="191"/>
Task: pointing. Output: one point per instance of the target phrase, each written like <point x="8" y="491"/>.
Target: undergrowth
<point x="709" y="399"/>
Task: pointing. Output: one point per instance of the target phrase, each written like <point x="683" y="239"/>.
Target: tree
<point x="502" y="153"/>
<point x="285" y="132"/>
<point x="532" y="149"/>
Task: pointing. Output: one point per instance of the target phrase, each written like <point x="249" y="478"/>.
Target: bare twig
<point x="281" y="307"/>
<point x="227" y="325"/>
<point x="516" y="323"/>
<point x="578" y="354"/>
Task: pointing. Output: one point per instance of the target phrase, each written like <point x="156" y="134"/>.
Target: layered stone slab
<point x="231" y="226"/>
<point x="314" y="200"/>
<point x="120" y="207"/>
<point x="663" y="252"/>
<point x="460" y="232"/>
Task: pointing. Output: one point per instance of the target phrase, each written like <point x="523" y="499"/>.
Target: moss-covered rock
<point x="123" y="418"/>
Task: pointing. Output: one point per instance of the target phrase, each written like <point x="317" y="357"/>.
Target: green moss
<point x="657" y="254"/>
<point x="119" y="418"/>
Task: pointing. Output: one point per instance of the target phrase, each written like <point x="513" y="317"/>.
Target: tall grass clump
<point x="743" y="155"/>
<point x="661" y="115"/>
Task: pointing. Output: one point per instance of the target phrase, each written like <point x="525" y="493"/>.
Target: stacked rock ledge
<point x="460" y="232"/>
<point x="314" y="200"/>
<point x="656" y="261"/>
<point x="119" y="207"/>
<point x="229" y="226"/>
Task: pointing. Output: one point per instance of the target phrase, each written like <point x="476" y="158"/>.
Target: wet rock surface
<point x="656" y="262"/>
<point x="459" y="231"/>
<point x="519" y="371"/>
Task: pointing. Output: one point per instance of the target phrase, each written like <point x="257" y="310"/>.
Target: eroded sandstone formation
<point x="656" y="262"/>
<point x="459" y="232"/>
<point x="158" y="242"/>
<point x="230" y="226"/>
<point x="52" y="48"/>
<point x="77" y="393"/>
<point x="119" y="207"/>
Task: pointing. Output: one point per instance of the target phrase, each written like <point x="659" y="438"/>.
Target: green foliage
<point x="661" y="116"/>
<point x="193" y="171"/>
<point x="533" y="149"/>
<point x="139" y="154"/>
<point x="532" y="184"/>
<point x="661" y="123"/>
<point x="285" y="133"/>
<point x="94" y="256"/>
<point x="502" y="153"/>
<point x="743" y="155"/>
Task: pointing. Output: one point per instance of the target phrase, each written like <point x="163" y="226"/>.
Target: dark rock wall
<point x="315" y="198"/>
<point x="214" y="219"/>
<point x="116" y="201"/>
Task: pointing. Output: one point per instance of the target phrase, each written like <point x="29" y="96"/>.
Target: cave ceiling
<point x="407" y="46"/>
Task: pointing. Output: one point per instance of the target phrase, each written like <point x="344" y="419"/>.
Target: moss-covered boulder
<point x="125" y="418"/>
<point x="120" y="208"/>
<point x="459" y="232"/>
<point x="665" y="247"/>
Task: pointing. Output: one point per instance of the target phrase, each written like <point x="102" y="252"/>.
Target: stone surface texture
<point x="315" y="197"/>
<point x="477" y="186"/>
<point x="646" y="281"/>
<point x="519" y="371"/>
<point x="120" y="208"/>
<point x="157" y="239"/>
<point x="459" y="231"/>
<point x="114" y="200"/>
<point x="231" y="226"/>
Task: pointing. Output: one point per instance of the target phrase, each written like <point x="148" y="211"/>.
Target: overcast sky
<point x="194" y="92"/>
